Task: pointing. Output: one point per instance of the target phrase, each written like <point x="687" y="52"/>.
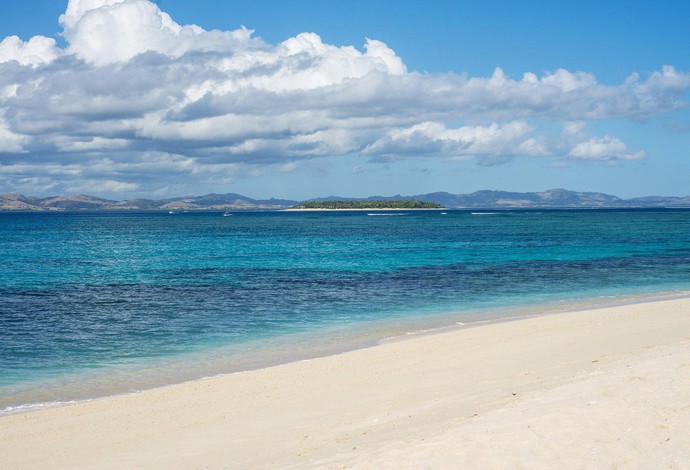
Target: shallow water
<point x="99" y="303"/>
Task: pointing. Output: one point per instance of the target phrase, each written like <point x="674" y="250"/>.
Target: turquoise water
<point x="101" y="303"/>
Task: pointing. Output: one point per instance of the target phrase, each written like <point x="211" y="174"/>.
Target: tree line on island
<point x="400" y="204"/>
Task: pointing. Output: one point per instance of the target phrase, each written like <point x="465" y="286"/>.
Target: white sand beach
<point x="601" y="388"/>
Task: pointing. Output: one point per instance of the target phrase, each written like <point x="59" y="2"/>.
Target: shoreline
<point x="355" y="407"/>
<point x="270" y="352"/>
<point x="373" y="209"/>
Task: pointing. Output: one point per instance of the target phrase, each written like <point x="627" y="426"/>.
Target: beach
<point x="600" y="388"/>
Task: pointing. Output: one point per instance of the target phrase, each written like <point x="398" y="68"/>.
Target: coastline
<point x="371" y="209"/>
<point x="416" y="398"/>
<point x="152" y="373"/>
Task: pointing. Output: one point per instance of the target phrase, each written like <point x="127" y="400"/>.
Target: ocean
<point x="96" y="304"/>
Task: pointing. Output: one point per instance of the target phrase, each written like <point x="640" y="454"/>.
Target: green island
<point x="345" y="205"/>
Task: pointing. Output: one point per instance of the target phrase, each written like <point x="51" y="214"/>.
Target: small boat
<point x="171" y="212"/>
<point x="227" y="214"/>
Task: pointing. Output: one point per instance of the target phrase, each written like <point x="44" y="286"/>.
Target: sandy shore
<point x="370" y="209"/>
<point x="606" y="388"/>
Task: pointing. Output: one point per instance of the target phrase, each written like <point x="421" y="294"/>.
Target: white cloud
<point x="136" y="92"/>
<point x="110" y="31"/>
<point x="91" y="144"/>
<point x="605" y="148"/>
<point x="37" y="50"/>
<point x="10" y="142"/>
<point x="170" y="174"/>
<point x="500" y="142"/>
<point x="574" y="128"/>
<point x="76" y="9"/>
<point x="432" y="138"/>
<point x="568" y="81"/>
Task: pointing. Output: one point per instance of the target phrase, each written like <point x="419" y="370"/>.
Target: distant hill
<point x="551" y="199"/>
<point x="18" y="202"/>
<point x="554" y="198"/>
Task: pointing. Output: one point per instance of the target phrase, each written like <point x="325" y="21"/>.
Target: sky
<point x="305" y="99"/>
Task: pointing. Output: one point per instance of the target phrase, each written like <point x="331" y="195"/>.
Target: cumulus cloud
<point x="605" y="148"/>
<point x="500" y="142"/>
<point x="9" y="141"/>
<point x="111" y="31"/>
<point x="135" y="92"/>
<point x="37" y="50"/>
<point x="491" y="144"/>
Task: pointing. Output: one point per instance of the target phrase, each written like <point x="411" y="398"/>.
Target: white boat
<point x="227" y="214"/>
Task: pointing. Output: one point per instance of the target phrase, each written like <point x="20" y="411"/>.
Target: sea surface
<point x="95" y="304"/>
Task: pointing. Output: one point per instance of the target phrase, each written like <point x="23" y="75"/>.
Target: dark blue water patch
<point x="93" y="325"/>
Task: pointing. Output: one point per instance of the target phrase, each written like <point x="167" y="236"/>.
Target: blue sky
<point x="124" y="98"/>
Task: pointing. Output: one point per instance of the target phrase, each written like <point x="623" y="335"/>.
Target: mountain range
<point x="485" y="199"/>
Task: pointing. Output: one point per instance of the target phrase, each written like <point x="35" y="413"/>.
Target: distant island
<point x="364" y="205"/>
<point x="484" y="199"/>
